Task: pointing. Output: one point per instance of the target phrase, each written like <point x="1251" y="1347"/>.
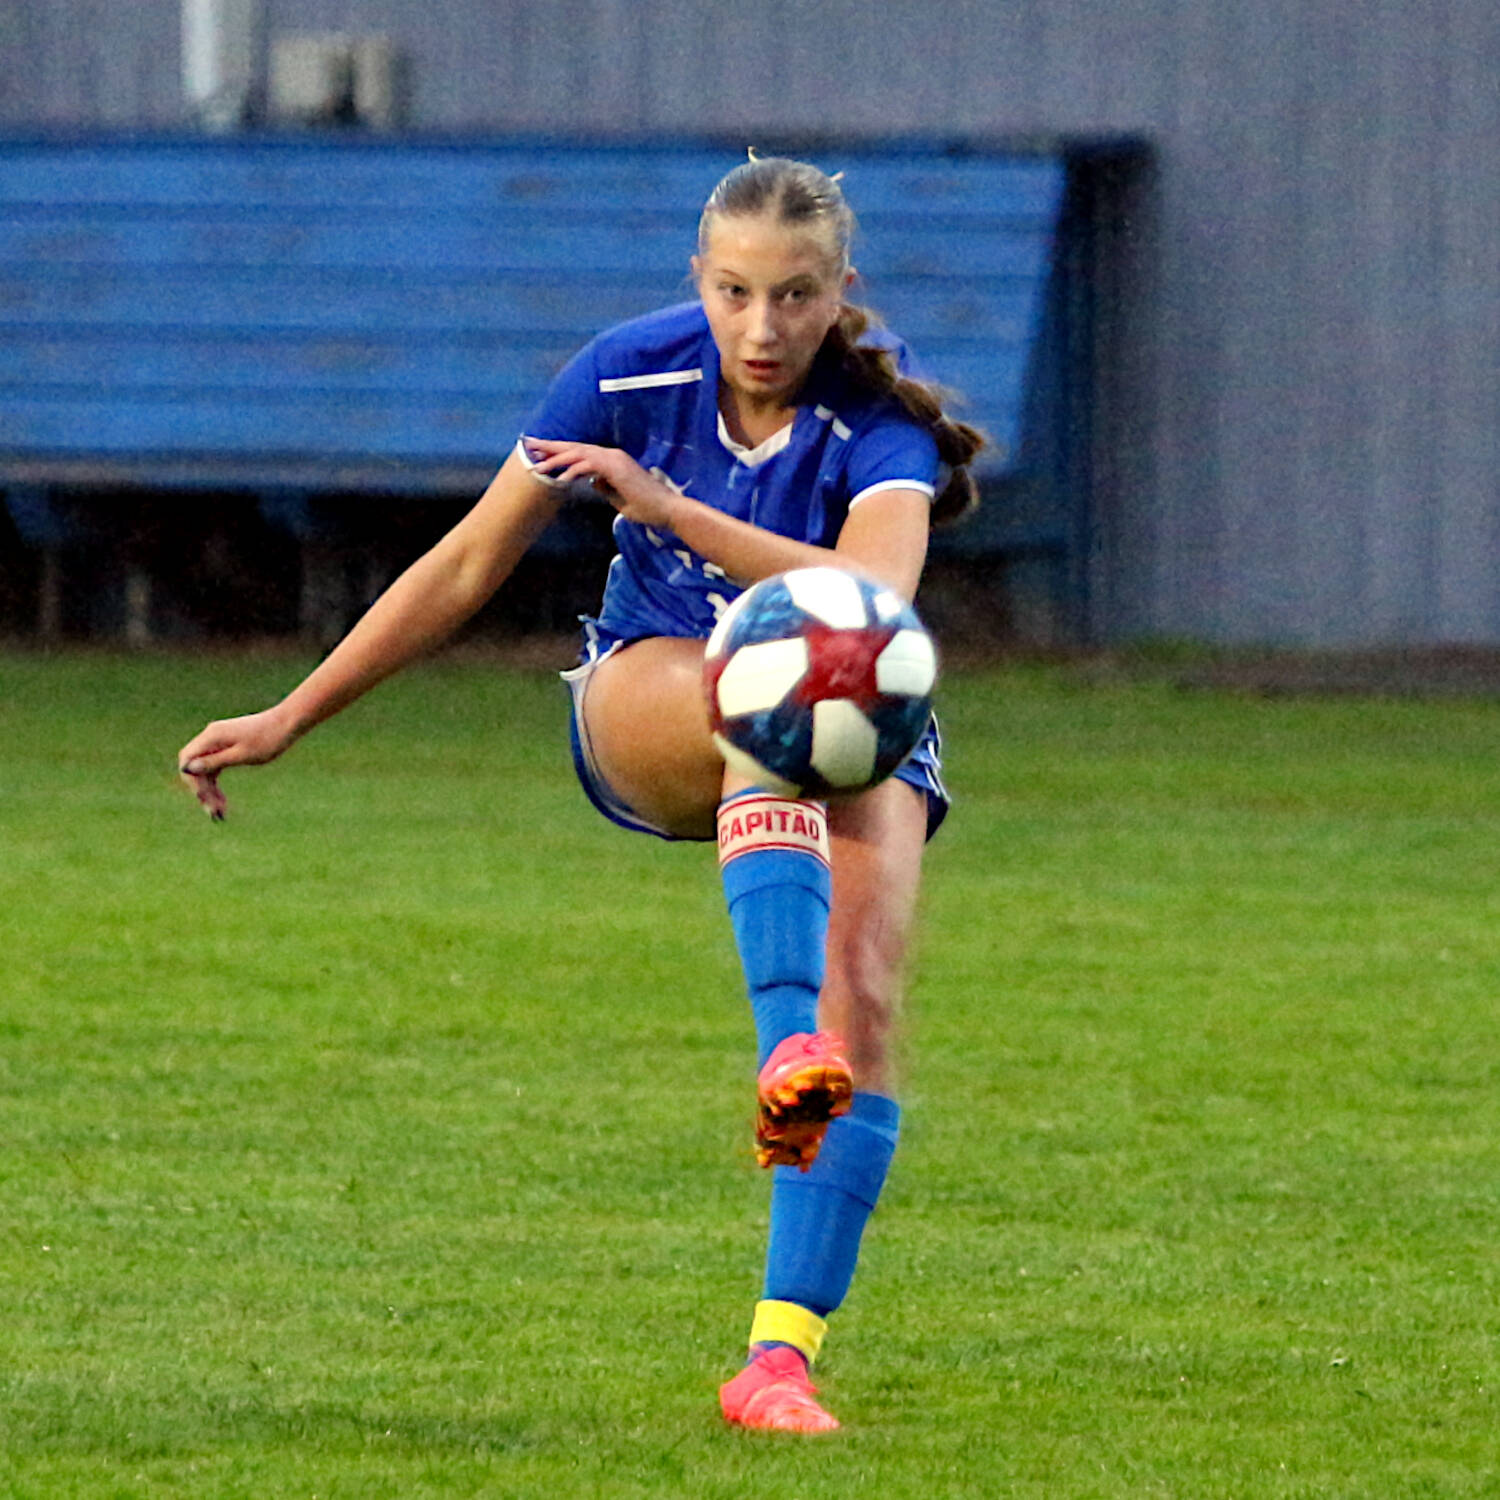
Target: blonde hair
<point x="798" y="195"/>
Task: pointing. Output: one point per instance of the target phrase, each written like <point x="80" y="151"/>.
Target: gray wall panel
<point x="1401" y="212"/>
<point x="88" y="62"/>
<point x="1325" y="350"/>
<point x="1305" y="446"/>
<point x="1467" y="335"/>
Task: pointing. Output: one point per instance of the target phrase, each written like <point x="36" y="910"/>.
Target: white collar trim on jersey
<point x="753" y="457"/>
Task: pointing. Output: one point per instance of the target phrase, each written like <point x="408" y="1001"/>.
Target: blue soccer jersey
<point x="651" y="388"/>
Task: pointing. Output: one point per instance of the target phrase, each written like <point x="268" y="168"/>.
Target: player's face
<point x="771" y="299"/>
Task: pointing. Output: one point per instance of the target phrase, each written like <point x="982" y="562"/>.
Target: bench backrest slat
<point x="321" y="174"/>
<point x="408" y="240"/>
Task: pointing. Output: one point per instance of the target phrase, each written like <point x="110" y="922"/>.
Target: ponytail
<point x="874" y="369"/>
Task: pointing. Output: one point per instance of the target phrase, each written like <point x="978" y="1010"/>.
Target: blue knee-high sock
<point x="819" y="1216"/>
<point x="778" y="906"/>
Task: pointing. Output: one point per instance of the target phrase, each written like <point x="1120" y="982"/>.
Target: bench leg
<point x="323" y="608"/>
<point x="49" y="611"/>
<point x="137" y="606"/>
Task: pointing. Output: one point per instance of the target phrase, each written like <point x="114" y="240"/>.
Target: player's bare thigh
<point x="877" y="841"/>
<point x="647" y="721"/>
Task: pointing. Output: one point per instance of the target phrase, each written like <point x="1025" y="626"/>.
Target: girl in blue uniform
<point x="761" y="428"/>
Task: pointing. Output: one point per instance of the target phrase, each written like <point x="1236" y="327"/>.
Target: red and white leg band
<point x="762" y="820"/>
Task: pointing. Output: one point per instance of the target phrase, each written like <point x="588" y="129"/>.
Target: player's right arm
<point x="419" y="611"/>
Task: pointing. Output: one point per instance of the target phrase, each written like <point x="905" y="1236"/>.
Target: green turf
<point x="335" y="1158"/>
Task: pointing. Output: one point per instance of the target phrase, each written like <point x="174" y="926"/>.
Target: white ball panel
<point x="907" y="665"/>
<point x="760" y="676"/>
<point x="827" y="595"/>
<point x="752" y="770"/>
<point x="887" y="606"/>
<point x="844" y="743"/>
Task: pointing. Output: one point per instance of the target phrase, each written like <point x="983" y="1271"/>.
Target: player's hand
<point x="637" y="495"/>
<point x="250" y="740"/>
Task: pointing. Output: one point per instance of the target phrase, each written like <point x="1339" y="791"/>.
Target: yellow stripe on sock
<point x="788" y="1323"/>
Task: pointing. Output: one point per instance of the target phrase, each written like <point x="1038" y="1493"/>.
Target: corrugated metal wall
<point x="1307" y="443"/>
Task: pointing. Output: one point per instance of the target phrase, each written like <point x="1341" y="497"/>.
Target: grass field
<point x="334" y="1158"/>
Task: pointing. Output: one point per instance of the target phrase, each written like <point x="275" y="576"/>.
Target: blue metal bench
<point x="301" y="317"/>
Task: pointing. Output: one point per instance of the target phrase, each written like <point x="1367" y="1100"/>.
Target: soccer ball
<point x="818" y="682"/>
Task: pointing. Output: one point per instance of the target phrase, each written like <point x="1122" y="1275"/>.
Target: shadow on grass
<point x="59" y="1420"/>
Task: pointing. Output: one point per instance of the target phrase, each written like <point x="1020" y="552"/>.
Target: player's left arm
<point x="884" y="536"/>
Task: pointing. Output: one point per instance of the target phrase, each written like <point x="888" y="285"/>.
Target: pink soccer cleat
<point x="773" y="1394"/>
<point x="806" y="1082"/>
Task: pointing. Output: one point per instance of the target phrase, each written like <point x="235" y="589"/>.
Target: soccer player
<point x="763" y="427"/>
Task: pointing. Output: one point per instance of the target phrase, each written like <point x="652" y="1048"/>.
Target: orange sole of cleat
<point x="797" y="1104"/>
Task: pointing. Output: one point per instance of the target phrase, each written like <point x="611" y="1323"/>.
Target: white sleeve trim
<point x="548" y="479"/>
<point x="919" y="485"/>
<point x="651" y="382"/>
